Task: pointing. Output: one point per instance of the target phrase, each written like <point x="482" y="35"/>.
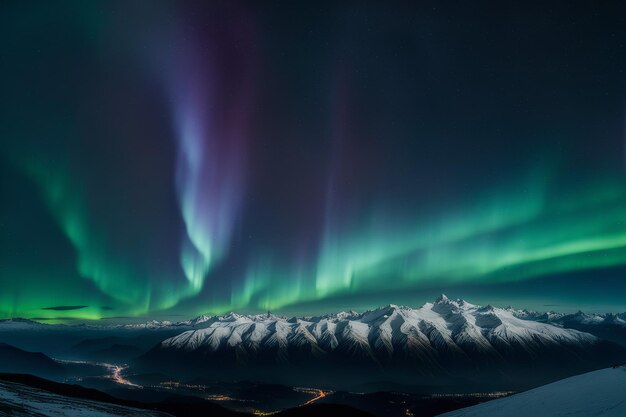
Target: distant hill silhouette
<point x="13" y="359"/>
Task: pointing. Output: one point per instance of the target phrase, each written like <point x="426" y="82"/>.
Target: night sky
<point x="166" y="159"/>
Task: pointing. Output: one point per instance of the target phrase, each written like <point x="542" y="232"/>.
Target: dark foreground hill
<point x="78" y="401"/>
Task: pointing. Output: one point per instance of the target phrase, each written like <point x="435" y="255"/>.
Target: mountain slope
<point x="611" y="327"/>
<point x="600" y="393"/>
<point x="22" y="400"/>
<point x="13" y="359"/>
<point x="444" y="341"/>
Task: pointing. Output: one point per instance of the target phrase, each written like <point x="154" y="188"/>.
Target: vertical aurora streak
<point x="207" y="189"/>
<point x="211" y="117"/>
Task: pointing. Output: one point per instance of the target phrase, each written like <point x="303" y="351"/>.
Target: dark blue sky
<point x="167" y="158"/>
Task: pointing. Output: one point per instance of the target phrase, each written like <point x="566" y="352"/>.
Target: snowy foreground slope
<point x="600" y="394"/>
<point x="21" y="400"/>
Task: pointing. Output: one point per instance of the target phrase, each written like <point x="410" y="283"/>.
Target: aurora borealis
<point x="165" y="159"/>
<point x="211" y="129"/>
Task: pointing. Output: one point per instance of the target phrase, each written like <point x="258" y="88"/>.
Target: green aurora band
<point x="114" y="276"/>
<point x="125" y="197"/>
<point x="526" y="234"/>
<point x="522" y="234"/>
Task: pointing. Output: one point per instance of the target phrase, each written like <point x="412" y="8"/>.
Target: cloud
<point x="54" y="318"/>
<point x="64" y="308"/>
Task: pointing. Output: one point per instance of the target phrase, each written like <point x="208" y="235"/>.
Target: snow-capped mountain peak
<point x="451" y="325"/>
<point x="443" y="339"/>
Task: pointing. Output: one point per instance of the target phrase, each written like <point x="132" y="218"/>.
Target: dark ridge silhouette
<point x="324" y="410"/>
<point x="13" y="359"/>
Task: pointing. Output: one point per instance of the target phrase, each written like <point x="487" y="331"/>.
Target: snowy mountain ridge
<point x="204" y="320"/>
<point x="441" y="334"/>
<point x="443" y="342"/>
<point x="448" y="324"/>
<point x="550" y="317"/>
<point x="579" y="317"/>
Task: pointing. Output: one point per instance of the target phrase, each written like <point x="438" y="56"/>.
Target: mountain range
<point x="447" y="342"/>
<point x="441" y="346"/>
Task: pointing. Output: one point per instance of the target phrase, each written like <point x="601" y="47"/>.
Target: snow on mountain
<point x="542" y="316"/>
<point x="567" y="320"/>
<point x="600" y="393"/>
<point x="551" y="317"/>
<point x="21" y="324"/>
<point x="615" y="319"/>
<point x="582" y="318"/>
<point x="453" y="325"/>
<point x="440" y="343"/>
